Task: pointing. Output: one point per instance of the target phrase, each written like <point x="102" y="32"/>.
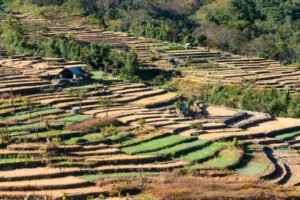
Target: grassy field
<point x="205" y="152"/>
<point x="40" y="125"/>
<point x="94" y="177"/>
<point x="73" y="119"/>
<point x="287" y="135"/>
<point x="184" y="147"/>
<point x="227" y="157"/>
<point x="13" y="160"/>
<point x="98" y="137"/>
<point x="26" y="127"/>
<point x="252" y="169"/>
<point x="45" y="134"/>
<point x="254" y="163"/>
<point x="156" y="144"/>
<point x="42" y="112"/>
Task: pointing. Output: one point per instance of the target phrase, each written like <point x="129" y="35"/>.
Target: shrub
<point x="141" y="122"/>
<point x="109" y="130"/>
<point x="56" y="140"/>
<point x="197" y="125"/>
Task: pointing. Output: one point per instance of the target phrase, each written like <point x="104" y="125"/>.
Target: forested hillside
<point x="252" y="27"/>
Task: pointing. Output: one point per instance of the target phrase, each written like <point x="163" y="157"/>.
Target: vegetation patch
<point x="156" y="144"/>
<point x="39" y="113"/>
<point x="253" y="169"/>
<point x="94" y="177"/>
<point x="225" y="159"/>
<point x="204" y="153"/>
<point x="287" y="135"/>
<point x="182" y="148"/>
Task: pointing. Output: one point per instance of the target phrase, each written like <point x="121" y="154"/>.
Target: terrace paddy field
<point x="48" y="151"/>
<point x="129" y="138"/>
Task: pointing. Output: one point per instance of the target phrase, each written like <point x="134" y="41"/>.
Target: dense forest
<point x="252" y="27"/>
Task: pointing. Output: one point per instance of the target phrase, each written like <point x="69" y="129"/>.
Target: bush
<point x="56" y="140"/>
<point x="197" y="125"/>
<point x="109" y="130"/>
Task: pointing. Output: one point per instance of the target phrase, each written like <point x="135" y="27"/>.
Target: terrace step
<point x="281" y="173"/>
<point x="44" y="184"/>
<point x="262" y="141"/>
<point x="48" y="173"/>
<point x="126" y="159"/>
<point x="100" y="152"/>
<point x="140" y="96"/>
<point x="295" y="140"/>
<point x="295" y="146"/>
<point x="74" y="193"/>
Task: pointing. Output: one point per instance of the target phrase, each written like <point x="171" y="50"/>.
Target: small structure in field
<point x="188" y="46"/>
<point x="76" y="110"/>
<point x="75" y="73"/>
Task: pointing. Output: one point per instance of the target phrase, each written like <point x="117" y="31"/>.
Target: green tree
<point x="105" y="103"/>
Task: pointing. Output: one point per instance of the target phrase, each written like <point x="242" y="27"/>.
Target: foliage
<point x="253" y="27"/>
<point x="246" y="97"/>
<point x="197" y="126"/>
<point x="17" y="40"/>
<point x="141" y="122"/>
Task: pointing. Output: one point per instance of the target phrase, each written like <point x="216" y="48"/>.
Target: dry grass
<point x="92" y="125"/>
<point x="210" y="185"/>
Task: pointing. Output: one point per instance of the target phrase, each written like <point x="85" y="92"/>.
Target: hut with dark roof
<point x="75" y="73"/>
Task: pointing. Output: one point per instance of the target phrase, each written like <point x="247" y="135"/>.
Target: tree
<point x="80" y="94"/>
<point x="178" y="105"/>
<point x="131" y="65"/>
<point x="105" y="103"/>
<point x="13" y="34"/>
<point x="29" y="105"/>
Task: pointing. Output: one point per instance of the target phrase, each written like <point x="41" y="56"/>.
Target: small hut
<point x="75" y="73"/>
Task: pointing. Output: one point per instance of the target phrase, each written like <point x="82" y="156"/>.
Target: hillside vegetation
<point x="253" y="27"/>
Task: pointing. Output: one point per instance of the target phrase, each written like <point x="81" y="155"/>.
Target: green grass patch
<point x="140" y="139"/>
<point x="253" y="169"/>
<point x="225" y="159"/>
<point x="94" y="177"/>
<point x="181" y="147"/>
<point x="44" y="134"/>
<point x="13" y="160"/>
<point x="72" y="119"/>
<point x="98" y="137"/>
<point x="26" y="127"/>
<point x="205" y="152"/>
<point x="156" y="144"/>
<point x="38" y="113"/>
<point x="41" y="125"/>
<point x="287" y="135"/>
<point x="254" y="162"/>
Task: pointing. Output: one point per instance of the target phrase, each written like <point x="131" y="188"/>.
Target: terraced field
<point x="46" y="158"/>
<point x="198" y="64"/>
<point x="42" y="156"/>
